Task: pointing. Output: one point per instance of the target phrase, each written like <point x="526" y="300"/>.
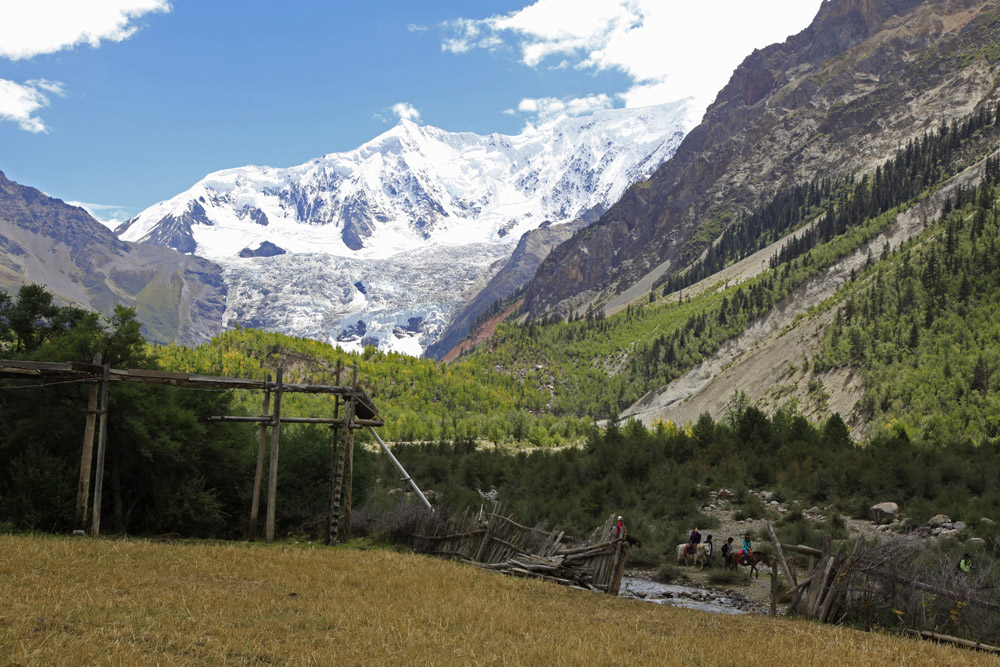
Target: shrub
<point x="723" y="577"/>
<point x="670" y="574"/>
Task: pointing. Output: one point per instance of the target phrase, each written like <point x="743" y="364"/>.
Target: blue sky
<point x="123" y="103"/>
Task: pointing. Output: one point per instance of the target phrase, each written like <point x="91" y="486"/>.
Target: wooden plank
<point x="143" y="373"/>
<point x="40" y="366"/>
<point x="95" y="369"/>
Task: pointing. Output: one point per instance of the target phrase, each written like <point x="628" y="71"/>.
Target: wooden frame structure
<point x="496" y="542"/>
<point x="360" y="412"/>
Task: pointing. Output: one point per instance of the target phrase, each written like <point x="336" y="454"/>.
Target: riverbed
<point x="689" y="597"/>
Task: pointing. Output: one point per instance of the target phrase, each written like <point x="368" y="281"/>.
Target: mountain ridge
<point x="414" y="198"/>
<point x="46" y="241"/>
<point x="864" y="77"/>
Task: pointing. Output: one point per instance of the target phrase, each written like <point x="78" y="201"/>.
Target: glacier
<point x="381" y="245"/>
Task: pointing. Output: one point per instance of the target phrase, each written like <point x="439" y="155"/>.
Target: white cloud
<point x="20" y="101"/>
<point x="550" y="109"/>
<point x="108" y="215"/>
<point x="406" y="111"/>
<point x="668" y="49"/>
<point x="29" y="28"/>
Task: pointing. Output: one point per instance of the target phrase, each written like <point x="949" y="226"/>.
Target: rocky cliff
<point x="48" y="242"/>
<point x="837" y="98"/>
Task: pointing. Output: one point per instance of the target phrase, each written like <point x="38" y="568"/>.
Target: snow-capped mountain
<point x="382" y="244"/>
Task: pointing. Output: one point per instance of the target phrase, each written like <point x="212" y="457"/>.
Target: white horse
<point x="698" y="556"/>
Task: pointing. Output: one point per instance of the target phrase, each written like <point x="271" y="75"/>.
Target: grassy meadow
<point x="101" y="601"/>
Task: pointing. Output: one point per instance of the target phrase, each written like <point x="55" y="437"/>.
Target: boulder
<point x="960" y="525"/>
<point x="725" y="494"/>
<point x="883" y="512"/>
<point x="938" y="521"/>
<point x="976" y="542"/>
<point x="948" y="534"/>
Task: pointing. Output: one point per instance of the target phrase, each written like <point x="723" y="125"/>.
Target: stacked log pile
<point x="497" y="542"/>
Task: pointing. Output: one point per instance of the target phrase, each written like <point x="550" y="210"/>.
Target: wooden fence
<point x="867" y="585"/>
<point x="497" y="542"/>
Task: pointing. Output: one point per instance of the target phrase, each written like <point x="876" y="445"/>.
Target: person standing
<point x="727" y="553"/>
<point x="965" y="565"/>
<point x="709" y="547"/>
<point x="620" y="530"/>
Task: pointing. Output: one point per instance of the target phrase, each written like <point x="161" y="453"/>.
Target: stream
<point x="688" y="597"/>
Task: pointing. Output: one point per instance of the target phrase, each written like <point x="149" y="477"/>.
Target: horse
<point x="698" y="556"/>
<point x="752" y="561"/>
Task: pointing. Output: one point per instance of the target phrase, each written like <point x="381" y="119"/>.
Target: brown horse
<point x="751" y="561"/>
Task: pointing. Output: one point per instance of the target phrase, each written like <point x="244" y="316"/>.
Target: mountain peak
<point x="438" y="210"/>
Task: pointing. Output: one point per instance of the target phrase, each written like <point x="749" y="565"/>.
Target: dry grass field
<point x="101" y="601"/>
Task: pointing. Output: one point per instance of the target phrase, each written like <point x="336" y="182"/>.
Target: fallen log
<point x="958" y="641"/>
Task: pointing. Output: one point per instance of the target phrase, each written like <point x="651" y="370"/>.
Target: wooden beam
<point x="102" y="441"/>
<point x="357" y="423"/>
<point x="259" y="473"/>
<point x="87" y="456"/>
<point x="272" y="478"/>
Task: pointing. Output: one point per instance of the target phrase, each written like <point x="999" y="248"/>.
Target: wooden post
<point x="774" y="586"/>
<point x="272" y="478"/>
<point x="819" y="583"/>
<point x="336" y="465"/>
<point x="259" y="474"/>
<point x="486" y="540"/>
<point x="102" y="440"/>
<point x="620" y="551"/>
<point x="338" y="476"/>
<point x="87" y="456"/>
<point x="349" y="467"/>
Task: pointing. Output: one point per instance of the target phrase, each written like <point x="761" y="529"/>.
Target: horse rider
<point x="747" y="548"/>
<point x="694" y="539"/>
